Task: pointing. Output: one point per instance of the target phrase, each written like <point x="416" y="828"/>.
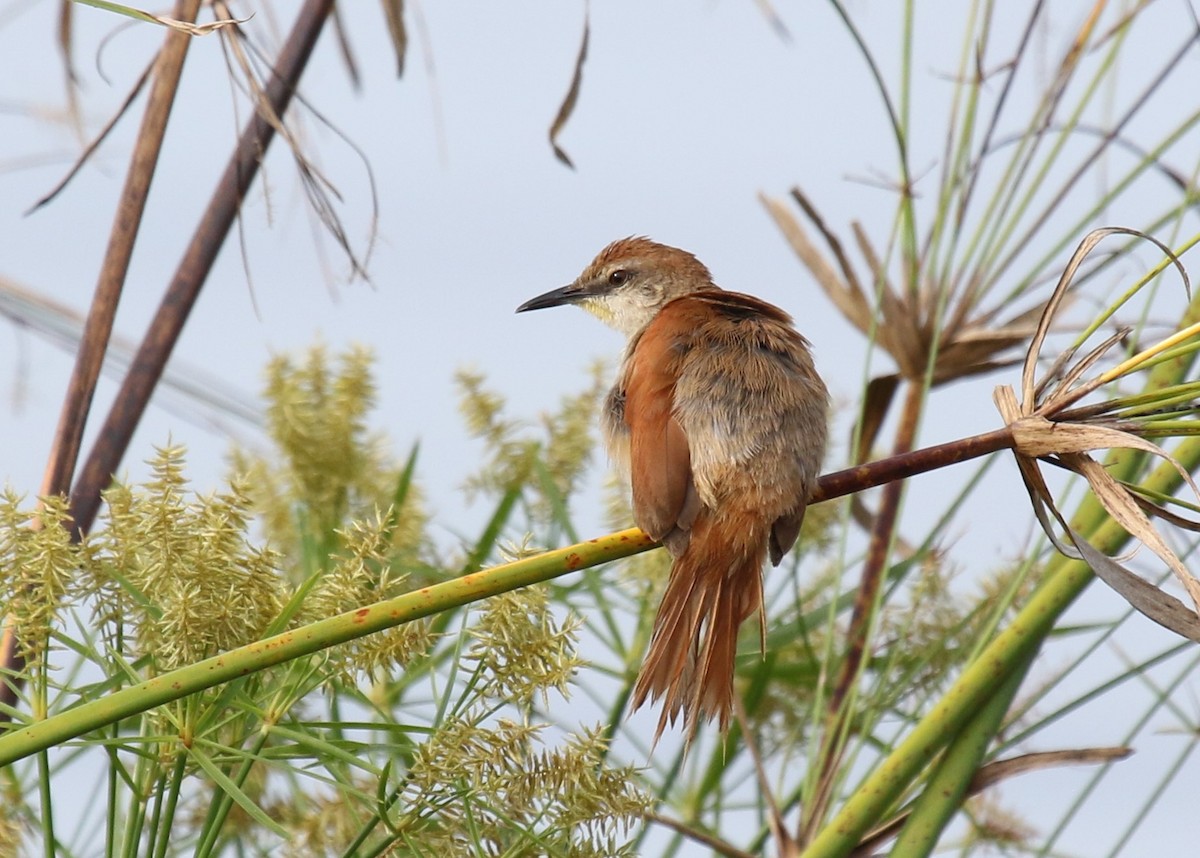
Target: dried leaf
<point x="1039" y="493"/>
<point x="1158" y="511"/>
<point x="320" y="190"/>
<point x="1163" y="608"/>
<point x="66" y="41"/>
<point x="172" y="23"/>
<point x="1070" y="442"/>
<point x="100" y="138"/>
<point x="773" y="18"/>
<point x="1036" y="436"/>
<point x="835" y="245"/>
<point x="343" y="43"/>
<point x="1051" y="309"/>
<point x="991" y="774"/>
<point x="1000" y="770"/>
<point x="1029" y="390"/>
<point x="568" y="105"/>
<point x="393" y="11"/>
<point x="878" y="399"/>
<point x="193" y="29"/>
<point x="66" y="38"/>
<point x="846" y="296"/>
<point x="1065" y="394"/>
<point x="900" y="320"/>
<point x="1118" y="503"/>
<point x="901" y="330"/>
<point x="954" y="370"/>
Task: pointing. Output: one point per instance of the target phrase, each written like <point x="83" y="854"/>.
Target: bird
<point x="719" y="417"/>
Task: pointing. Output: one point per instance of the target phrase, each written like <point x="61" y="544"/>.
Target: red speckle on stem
<point x="361" y="614"/>
<point x="574" y="561"/>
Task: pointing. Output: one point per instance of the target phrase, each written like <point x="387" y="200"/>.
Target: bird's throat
<point x="601" y="309"/>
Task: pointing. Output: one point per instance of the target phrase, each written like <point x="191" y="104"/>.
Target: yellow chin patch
<point x="598" y="308"/>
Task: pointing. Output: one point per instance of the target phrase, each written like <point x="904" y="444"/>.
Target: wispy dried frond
<point x="996" y="826"/>
<point x="569" y="100"/>
<point x="910" y="324"/>
<point x="925" y="637"/>
<point x="588" y="797"/>
<point x="187" y="27"/>
<point x="184" y="389"/>
<point x="13" y="828"/>
<point x="947" y="298"/>
<point x="253" y="73"/>
<point x="570" y="432"/>
<point x="990" y="824"/>
<point x="1048" y="424"/>
<point x="94" y="144"/>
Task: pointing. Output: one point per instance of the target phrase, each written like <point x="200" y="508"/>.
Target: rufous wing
<point x="665" y="503"/>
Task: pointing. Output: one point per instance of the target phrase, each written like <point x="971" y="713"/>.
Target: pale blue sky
<point x="687" y="111"/>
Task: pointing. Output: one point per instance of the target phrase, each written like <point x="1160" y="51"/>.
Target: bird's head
<point x="629" y="282"/>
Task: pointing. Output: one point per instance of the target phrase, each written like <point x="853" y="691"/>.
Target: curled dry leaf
<point x="173" y="23"/>
<point x="94" y="144"/>
<point x="568" y="105"/>
<point x="197" y="29"/>
<point x="1038" y="436"/>
<point x="393" y="12"/>
<point x="993" y="773"/>
<point x="909" y="322"/>
<point x="1144" y="597"/>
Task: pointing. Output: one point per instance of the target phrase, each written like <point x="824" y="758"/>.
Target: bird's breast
<point x="742" y="386"/>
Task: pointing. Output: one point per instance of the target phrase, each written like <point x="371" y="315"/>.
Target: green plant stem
<point x="1065" y="580"/>
<point x="317" y="636"/>
<point x="943" y="794"/>
<point x="223" y="802"/>
<point x="306" y="640"/>
<point x="840" y="712"/>
<point x="47" y="804"/>
<point x="880" y="790"/>
<point x="176" y="785"/>
<point x="111" y="796"/>
<point x="135" y="815"/>
<point x="158" y="790"/>
<point x="1092" y="521"/>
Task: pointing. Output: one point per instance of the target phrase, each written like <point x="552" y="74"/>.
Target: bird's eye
<point x="618" y="277"/>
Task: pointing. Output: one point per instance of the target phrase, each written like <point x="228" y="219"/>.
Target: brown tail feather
<point x="714" y="586"/>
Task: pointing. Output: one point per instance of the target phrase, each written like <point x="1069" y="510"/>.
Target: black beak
<point x="554" y="298"/>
